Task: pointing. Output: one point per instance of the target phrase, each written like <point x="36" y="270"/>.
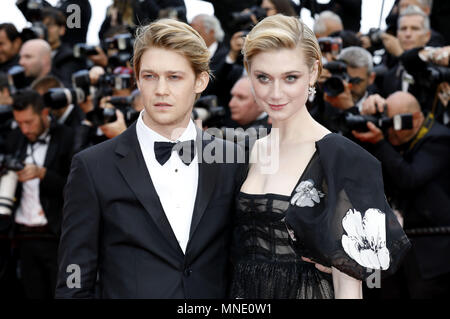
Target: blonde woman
<point x="324" y="207"/>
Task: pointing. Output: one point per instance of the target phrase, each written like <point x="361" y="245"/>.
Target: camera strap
<point x="424" y="129"/>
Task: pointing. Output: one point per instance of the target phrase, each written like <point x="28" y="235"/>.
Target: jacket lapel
<point x="134" y="170"/>
<point x="207" y="178"/>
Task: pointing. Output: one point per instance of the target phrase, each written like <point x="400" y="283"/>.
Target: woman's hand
<point x="318" y="266"/>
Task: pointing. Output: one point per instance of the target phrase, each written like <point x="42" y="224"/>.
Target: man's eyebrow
<point x="166" y="72"/>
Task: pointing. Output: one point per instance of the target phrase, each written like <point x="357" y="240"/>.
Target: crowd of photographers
<point x="387" y="90"/>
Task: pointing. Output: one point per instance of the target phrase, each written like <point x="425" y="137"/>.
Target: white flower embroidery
<point x="306" y="194"/>
<point x="365" y="241"/>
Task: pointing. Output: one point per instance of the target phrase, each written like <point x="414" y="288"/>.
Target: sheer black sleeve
<point x="353" y="228"/>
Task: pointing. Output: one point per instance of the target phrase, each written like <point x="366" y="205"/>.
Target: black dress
<point x="321" y="220"/>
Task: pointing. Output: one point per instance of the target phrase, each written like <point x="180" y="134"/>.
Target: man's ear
<point x="45" y="111"/>
<point x="201" y="82"/>
<point x="428" y="36"/>
<point x="17" y="43"/>
<point x="371" y="78"/>
<point x="418" y="118"/>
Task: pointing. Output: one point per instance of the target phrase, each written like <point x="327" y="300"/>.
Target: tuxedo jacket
<point x="114" y="225"/>
<point x="57" y="163"/>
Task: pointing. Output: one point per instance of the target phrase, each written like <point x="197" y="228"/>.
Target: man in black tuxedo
<point x="45" y="149"/>
<point x="417" y="170"/>
<point x="150" y="222"/>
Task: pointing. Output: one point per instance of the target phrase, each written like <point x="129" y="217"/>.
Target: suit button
<point x="187" y="272"/>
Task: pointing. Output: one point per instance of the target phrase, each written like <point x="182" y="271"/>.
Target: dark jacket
<point x="114" y="224"/>
<point x="64" y="64"/>
<point x="421" y="182"/>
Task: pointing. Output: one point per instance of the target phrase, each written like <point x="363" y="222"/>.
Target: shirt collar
<point x="213" y="48"/>
<point x="150" y="135"/>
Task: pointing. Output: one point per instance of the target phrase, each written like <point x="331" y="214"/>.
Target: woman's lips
<point x="276" y="107"/>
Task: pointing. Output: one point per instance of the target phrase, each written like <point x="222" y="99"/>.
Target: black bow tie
<point x="42" y="141"/>
<point x="186" y="151"/>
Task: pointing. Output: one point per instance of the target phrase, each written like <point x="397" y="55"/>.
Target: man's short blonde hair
<point x="279" y="31"/>
<point x="172" y="35"/>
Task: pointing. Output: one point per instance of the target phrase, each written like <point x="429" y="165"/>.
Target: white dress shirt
<point x="30" y="212"/>
<point x="213" y="48"/>
<point x="174" y="182"/>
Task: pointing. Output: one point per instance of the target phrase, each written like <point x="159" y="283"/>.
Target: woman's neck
<point x="298" y="128"/>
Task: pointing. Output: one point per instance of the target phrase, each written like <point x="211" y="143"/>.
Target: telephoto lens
<point x="57" y="98"/>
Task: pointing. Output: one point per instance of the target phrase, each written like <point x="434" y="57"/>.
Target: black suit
<point x="420" y="182"/>
<point x="114" y="224"/>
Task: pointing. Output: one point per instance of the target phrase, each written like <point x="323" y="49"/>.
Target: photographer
<point x="416" y="165"/>
<point x="63" y="61"/>
<point x="10" y="43"/>
<point x="64" y="111"/>
<point x="32" y="11"/>
<point x="412" y="72"/>
<point x="109" y="111"/>
<point x="347" y="86"/>
<point x="326" y="24"/>
<point x="36" y="59"/>
<point x="44" y="148"/>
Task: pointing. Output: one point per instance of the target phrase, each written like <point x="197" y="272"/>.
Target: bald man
<point x="36" y="58"/>
<point x="243" y="107"/>
<point x="416" y="163"/>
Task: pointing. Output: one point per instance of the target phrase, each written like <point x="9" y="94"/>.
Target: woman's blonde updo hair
<point x="172" y="35"/>
<point x="279" y="31"/>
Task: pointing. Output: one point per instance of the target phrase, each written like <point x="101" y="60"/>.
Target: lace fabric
<point x="267" y="264"/>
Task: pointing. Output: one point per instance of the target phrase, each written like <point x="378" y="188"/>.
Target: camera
<point x="358" y="123"/>
<point x="123" y="44"/>
<point x="243" y="20"/>
<point x="105" y="84"/>
<point x="334" y="85"/>
<point x="6" y="113"/>
<point x="207" y="110"/>
<point x="58" y="98"/>
<point x="36" y="31"/>
<point x="115" y="81"/>
<point x="331" y="45"/>
<point x="101" y="116"/>
<point x="16" y="78"/>
<point x="8" y="182"/>
<point x="118" y="59"/>
<point x="125" y="105"/>
<point x="374" y="35"/>
<point x="120" y="42"/>
<point x="82" y="50"/>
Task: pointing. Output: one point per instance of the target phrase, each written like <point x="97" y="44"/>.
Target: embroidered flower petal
<point x="295" y="198"/>
<point x="374" y="227"/>
<point x="305" y="201"/>
<point x="351" y="247"/>
<point x="352" y="224"/>
<point x="383" y="257"/>
<point x="369" y="259"/>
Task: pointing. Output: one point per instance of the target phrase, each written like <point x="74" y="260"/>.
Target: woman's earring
<point x="311" y="90"/>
